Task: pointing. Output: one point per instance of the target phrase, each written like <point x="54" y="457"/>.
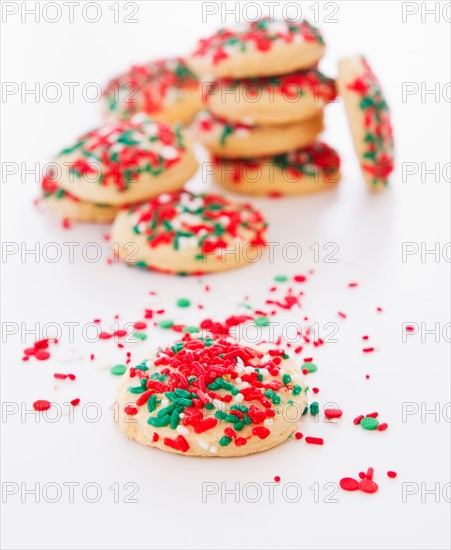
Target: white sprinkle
<point x="238" y="398"/>
<point x="238" y="380"/>
<point x="219" y="405"/>
<point x="164" y="402"/>
<point x="169" y="153"/>
<point x="268" y="422"/>
<point x="182" y="415"/>
<point x="182" y="430"/>
<point x="202" y="443"/>
<point x="264" y="371"/>
<point x="213" y="449"/>
<point x="244" y="385"/>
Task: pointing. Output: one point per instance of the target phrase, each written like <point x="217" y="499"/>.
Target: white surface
<point x="369" y="231"/>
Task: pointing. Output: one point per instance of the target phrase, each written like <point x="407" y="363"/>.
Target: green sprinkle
<point x="209" y="406"/>
<point x="247" y="419"/>
<point x="296" y="389"/>
<point x="159" y="421"/>
<point x="261" y="321"/>
<point x="309" y="367"/>
<point x="183" y="302"/>
<point x="175" y="419"/>
<point x="314" y="408"/>
<point x="152" y="403"/>
<point x="239" y="425"/>
<point x="286" y="379"/>
<point x="281" y="278"/>
<point x="166" y="411"/>
<point x="369" y="423"/>
<point x="166" y="323"/>
<point x="137" y="389"/>
<point x="118" y="370"/>
<point x="191" y="329"/>
<point x="221" y="415"/>
<point x="182" y="393"/>
<point x="140" y="335"/>
<point x="224" y="441"/>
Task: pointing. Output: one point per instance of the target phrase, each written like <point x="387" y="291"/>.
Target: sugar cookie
<point x="369" y="120"/>
<point x="165" y="89"/>
<point x="69" y="207"/>
<point x="206" y="396"/>
<point x="274" y="100"/>
<point x="314" y="168"/>
<point x="186" y="233"/>
<point x="258" y="48"/>
<point x="238" y="140"/>
<point x="126" y="162"/>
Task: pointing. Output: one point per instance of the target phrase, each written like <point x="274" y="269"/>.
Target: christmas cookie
<point x="258" y="48"/>
<point x="68" y="207"/>
<point x="209" y="396"/>
<point x="277" y="100"/>
<point x="126" y="162"/>
<point x="165" y="89"/>
<point x="189" y="234"/>
<point x="238" y="140"/>
<point x="314" y="168"/>
<point x="369" y="120"/>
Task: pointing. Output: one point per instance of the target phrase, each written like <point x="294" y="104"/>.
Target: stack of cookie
<point x="265" y="100"/>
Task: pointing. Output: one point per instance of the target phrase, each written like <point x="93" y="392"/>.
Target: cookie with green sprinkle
<point x="208" y="396"/>
<point x="188" y="233"/>
<point x="258" y="48"/>
<point x="164" y="89"/>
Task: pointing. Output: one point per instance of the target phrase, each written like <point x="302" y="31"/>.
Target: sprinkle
<point x="333" y="413"/>
<point x="309" y="367"/>
<point x="358" y="419"/>
<point x="368" y="350"/>
<point x="369" y="423"/>
<point x="410" y="328"/>
<point x="352" y="285"/>
<point x="314" y="408"/>
<point x="315" y="390"/>
<point x="300" y="278"/>
<point x="261" y="321"/>
<point x="298" y="435"/>
<point x="75" y="402"/>
<point x="277" y="479"/>
<point x="41" y="405"/>
<point x="349" y="484"/>
<point x="382" y="427"/>
<point x="183" y="302"/>
<point x="166" y="323"/>
<point x="391" y="474"/>
<point x="379" y="309"/>
<point x="281" y="278"/>
<point x="314" y="440"/>
<point x="140" y="325"/>
<point x="365" y="337"/>
<point x="342" y="315"/>
<point x="368" y="486"/>
<point x="42" y="355"/>
<point x="118" y="370"/>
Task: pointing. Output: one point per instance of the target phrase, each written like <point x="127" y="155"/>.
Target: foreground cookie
<point x="238" y="140"/>
<point x="369" y="120"/>
<point x="165" y="89"/>
<point x="189" y="234"/>
<point x="126" y="162"/>
<point x="314" y="168"/>
<point x="257" y="49"/>
<point x="212" y="397"/>
<point x="274" y="100"/>
<point x="69" y="207"/>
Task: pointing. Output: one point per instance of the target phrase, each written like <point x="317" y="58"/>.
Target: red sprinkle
<point x="382" y="427"/>
<point x="277" y="479"/>
<point x="131" y="410"/>
<point x="75" y="402"/>
<point x="41" y="405"/>
<point x="349" y="484"/>
<point x="342" y="315"/>
<point x="333" y="413"/>
<point x="365" y="337"/>
<point x="300" y="278"/>
<point x="352" y="285"/>
<point x="42" y="355"/>
<point x="315" y="390"/>
<point x="314" y="440"/>
<point x="358" y="419"/>
<point x="298" y="435"/>
<point x="367" y="350"/>
<point x="140" y="325"/>
<point x="391" y="474"/>
<point x="368" y="486"/>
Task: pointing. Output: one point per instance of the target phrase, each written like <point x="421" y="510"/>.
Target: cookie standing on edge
<point x="369" y="120"/>
<point x="237" y="140"/>
<point x="210" y="396"/>
<point x="126" y="162"/>
<point x="258" y="48"/>
<point x="164" y="89"/>
<point x="185" y="233"/>
<point x="314" y="168"/>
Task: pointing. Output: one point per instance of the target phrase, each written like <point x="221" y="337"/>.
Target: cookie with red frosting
<point x="186" y="233"/>
<point x="314" y="168"/>
<point x="369" y="120"/>
<point x="259" y="48"/>
<point x="164" y="89"/>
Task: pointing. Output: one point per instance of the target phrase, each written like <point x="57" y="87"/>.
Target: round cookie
<point x="238" y="140"/>
<point x="69" y="207"/>
<point x="259" y="48"/>
<point x="314" y="168"/>
<point x="165" y="89"/>
<point x="209" y="396"/>
<point x="185" y="233"/>
<point x="126" y="162"/>
<point x="277" y="100"/>
<point x="369" y="120"/>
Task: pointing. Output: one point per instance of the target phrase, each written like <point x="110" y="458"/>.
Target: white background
<point x="369" y="231"/>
